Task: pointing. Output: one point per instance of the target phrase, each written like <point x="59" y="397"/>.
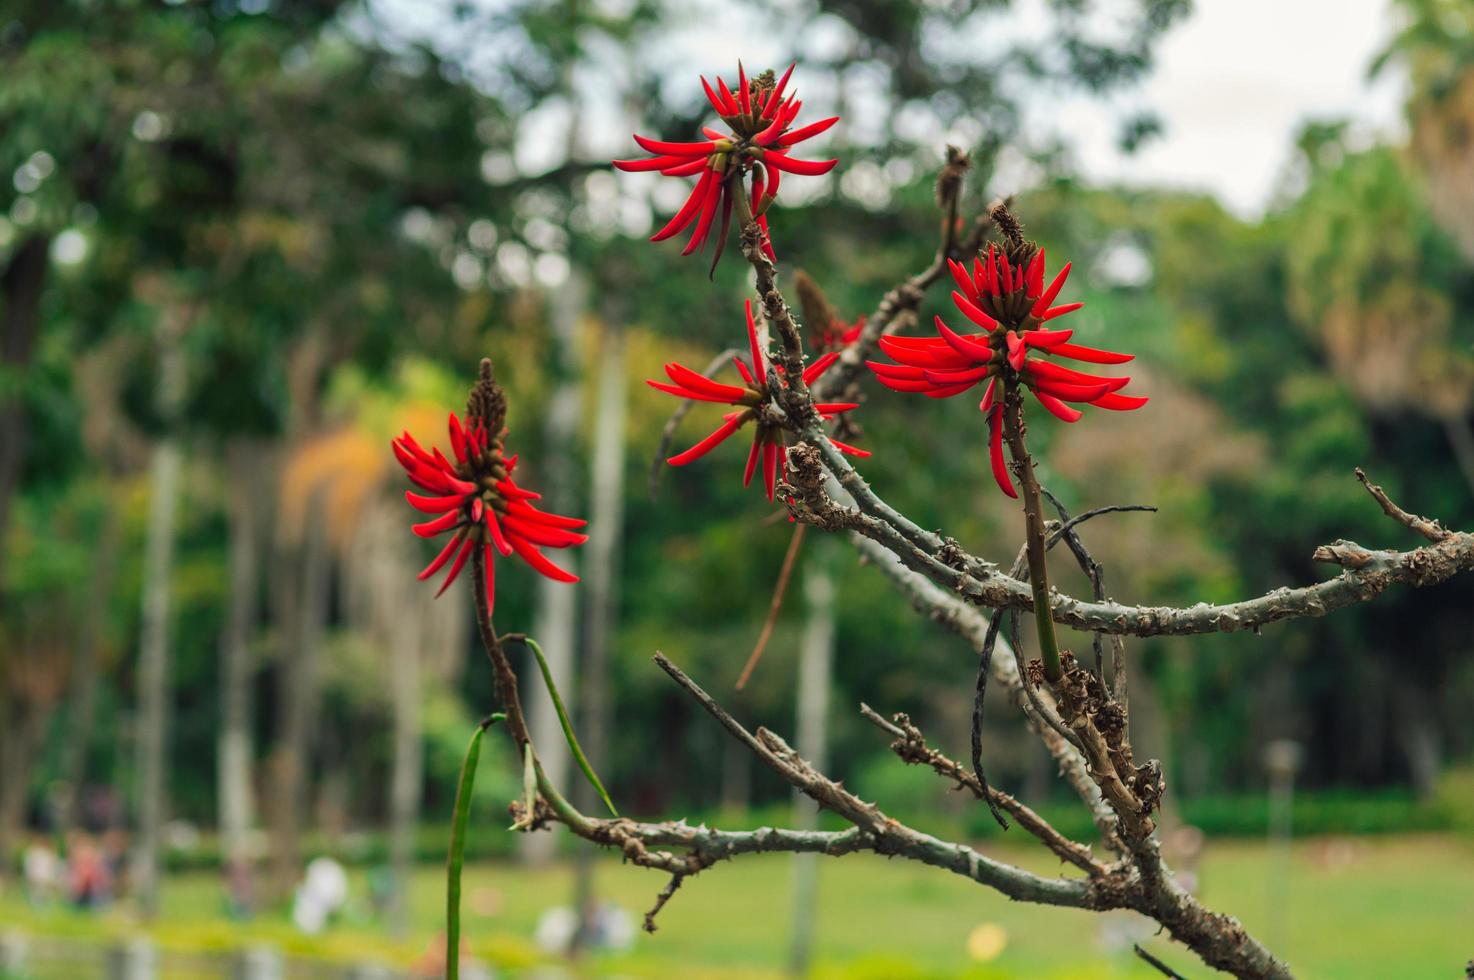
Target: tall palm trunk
<point x="235" y="754"/>
<point x="406" y="640"/>
<point x="153" y="641"/>
<point x="556" y="619"/>
<point x="816" y="658"/>
<point x="86" y="670"/>
<point x="601" y="586"/>
<point x="297" y="697"/>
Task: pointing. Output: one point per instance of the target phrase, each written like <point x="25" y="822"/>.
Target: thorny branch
<point x="1079" y="722"/>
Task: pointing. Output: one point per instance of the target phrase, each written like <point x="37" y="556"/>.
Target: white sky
<point x="1232" y="85"/>
<point x="1234" y="82"/>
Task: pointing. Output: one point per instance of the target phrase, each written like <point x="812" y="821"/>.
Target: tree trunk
<point x="234" y="748"/>
<point x="816" y="658"/>
<point x="20" y="321"/>
<point x="407" y="773"/>
<point x="1456" y="428"/>
<point x="153" y="641"/>
<point x="556" y="621"/>
<point x="86" y="670"/>
<point x="601" y="590"/>
<point x="297" y="699"/>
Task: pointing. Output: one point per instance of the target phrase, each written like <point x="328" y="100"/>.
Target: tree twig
<point x="1431" y="530"/>
<point x="779" y="589"/>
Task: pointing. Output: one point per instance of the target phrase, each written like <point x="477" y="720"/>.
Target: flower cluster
<point x="478" y="501"/>
<point x="749" y="399"/>
<point x="1008" y="300"/>
<point x="759" y="120"/>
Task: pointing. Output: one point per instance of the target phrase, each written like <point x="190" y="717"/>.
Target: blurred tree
<point x="1436" y="48"/>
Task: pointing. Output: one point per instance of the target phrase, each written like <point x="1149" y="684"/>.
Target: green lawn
<point x="1357" y="907"/>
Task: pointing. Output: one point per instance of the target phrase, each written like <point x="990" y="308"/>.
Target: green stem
<point x="1013" y="433"/>
<point x="457" y="858"/>
<point x="573" y="746"/>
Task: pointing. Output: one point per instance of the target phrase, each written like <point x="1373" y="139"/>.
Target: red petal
<point x="530" y="513"/>
<point x="442" y="523"/>
<point x="987" y="402"/>
<point x="708" y="212"/>
<point x="752" y="455"/>
<point x="719" y="105"/>
<point x="683" y="393"/>
<point x="433" y="505"/>
<point x="804" y="168"/>
<point x="807" y="132"/>
<point x="1043" y="302"/>
<point x="455" y="569"/>
<point x="849" y="450"/>
<point x="652" y="163"/>
<point x="819" y="366"/>
<point x="1057" y="407"/>
<point x="1071" y="392"/>
<point x="541" y="534"/>
<point x="1060" y="311"/>
<point x="759" y="365"/>
<point x="1091" y="354"/>
<point x="540" y="563"/>
<point x="1035" y="278"/>
<point x="701" y="148"/>
<point x="1120" y="403"/>
<point x="498" y="536"/>
<point x="770" y="469"/>
<point x="776" y="99"/>
<point x="685" y="169"/>
<point x="972" y="312"/>
<point x="688" y="210"/>
<point x="968" y="347"/>
<point x="995" y="451"/>
<point x="709" y="443"/>
<point x="1047" y="339"/>
<point x="687" y="378"/>
<point x="443" y="557"/>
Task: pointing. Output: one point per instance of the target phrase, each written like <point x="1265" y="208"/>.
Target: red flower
<point x="767" y="440"/>
<point x="1012" y="306"/>
<point x="476" y="498"/>
<point x="838" y="335"/>
<point x="759" y="143"/>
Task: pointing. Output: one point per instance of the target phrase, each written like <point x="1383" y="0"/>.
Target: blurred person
<point x="321" y="896"/>
<point x="41" y="870"/>
<point x="240" y="891"/>
<point x="89" y="875"/>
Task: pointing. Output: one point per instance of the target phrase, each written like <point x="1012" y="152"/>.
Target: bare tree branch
<point x="910" y="745"/>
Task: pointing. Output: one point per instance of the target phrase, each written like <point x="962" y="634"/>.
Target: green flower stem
<point x="457" y="858"/>
<point x="573" y="746"/>
<point x="1013" y="433"/>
